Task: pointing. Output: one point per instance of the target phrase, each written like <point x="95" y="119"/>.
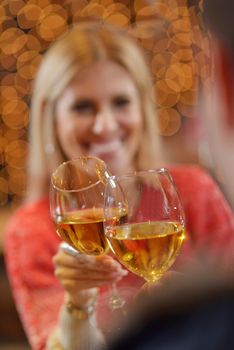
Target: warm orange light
<point x="12" y="41"/>
<point x="15" y="114"/>
<point x="27" y="64"/>
<point x="118" y="19"/>
<point x="29" y="16"/>
<point x="169" y="121"/>
<point x="164" y="95"/>
<point x="16" y="154"/>
<point x="51" y="27"/>
<point x="176" y="49"/>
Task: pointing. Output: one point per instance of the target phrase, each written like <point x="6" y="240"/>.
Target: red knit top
<point x="31" y="242"/>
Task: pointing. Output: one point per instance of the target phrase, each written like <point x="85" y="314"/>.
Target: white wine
<point x="84" y="231"/>
<point x="147" y="249"/>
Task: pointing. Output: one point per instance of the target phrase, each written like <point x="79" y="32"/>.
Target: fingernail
<point x="110" y="263"/>
<point x="124" y="272"/>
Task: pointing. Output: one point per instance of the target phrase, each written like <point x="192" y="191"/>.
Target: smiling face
<point x="99" y="114"/>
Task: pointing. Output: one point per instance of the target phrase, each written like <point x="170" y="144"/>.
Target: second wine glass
<point x="149" y="240"/>
<point x="76" y="202"/>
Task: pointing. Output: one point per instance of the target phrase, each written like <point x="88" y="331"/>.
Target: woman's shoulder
<point x="187" y="170"/>
<point x="30" y="214"/>
<point x="193" y="179"/>
<point x="35" y="206"/>
<point x="190" y="175"/>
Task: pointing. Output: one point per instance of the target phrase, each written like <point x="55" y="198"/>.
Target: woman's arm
<point x="209" y="219"/>
<point x="81" y="276"/>
<point x="30" y="244"/>
<point x="74" y="333"/>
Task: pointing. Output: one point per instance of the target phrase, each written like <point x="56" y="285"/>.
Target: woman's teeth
<point x="107" y="147"/>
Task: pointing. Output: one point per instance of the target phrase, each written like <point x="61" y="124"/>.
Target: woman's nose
<point x="105" y="121"/>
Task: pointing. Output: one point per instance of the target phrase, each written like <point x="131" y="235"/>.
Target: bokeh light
<point x="169" y="32"/>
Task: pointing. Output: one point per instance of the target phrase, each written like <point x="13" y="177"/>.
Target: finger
<point x="70" y="273"/>
<point x="67" y="248"/>
<point x="104" y="263"/>
<point x="64" y="259"/>
<point x="70" y="251"/>
<point x="75" y="286"/>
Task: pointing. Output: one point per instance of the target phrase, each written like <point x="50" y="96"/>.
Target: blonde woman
<point x="92" y="96"/>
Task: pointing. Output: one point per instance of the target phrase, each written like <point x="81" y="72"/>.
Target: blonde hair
<point x="82" y="45"/>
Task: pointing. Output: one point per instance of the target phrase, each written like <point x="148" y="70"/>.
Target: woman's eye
<point x="121" y="102"/>
<point x="83" y="107"/>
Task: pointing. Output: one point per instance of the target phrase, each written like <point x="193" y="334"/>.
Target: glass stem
<point x="115" y="301"/>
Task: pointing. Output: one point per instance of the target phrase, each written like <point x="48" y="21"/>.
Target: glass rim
<point x="70" y="161"/>
<point x="158" y="171"/>
<point x="161" y="170"/>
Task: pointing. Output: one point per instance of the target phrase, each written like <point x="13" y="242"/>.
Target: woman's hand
<point x="81" y="275"/>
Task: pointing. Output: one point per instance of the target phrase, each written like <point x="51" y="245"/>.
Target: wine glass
<point x="76" y="204"/>
<point x="149" y="240"/>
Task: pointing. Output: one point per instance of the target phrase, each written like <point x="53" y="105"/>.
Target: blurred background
<point x="177" y="50"/>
